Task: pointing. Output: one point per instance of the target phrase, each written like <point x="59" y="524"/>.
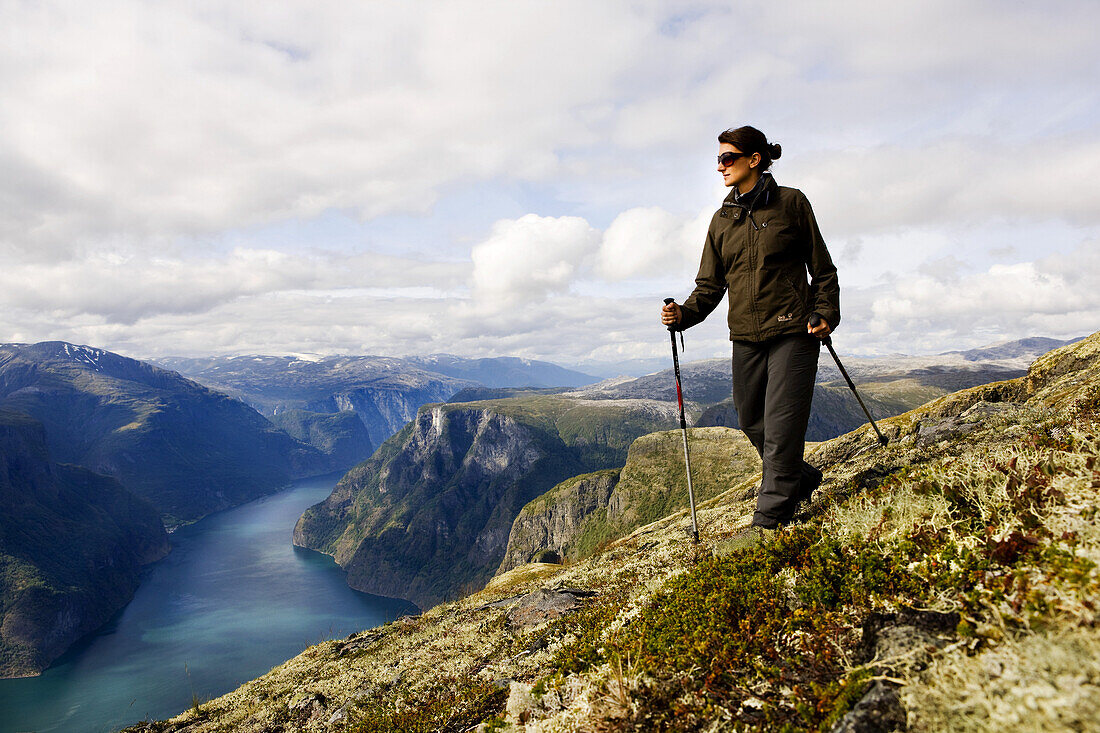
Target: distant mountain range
<point x="889" y="385"/>
<point x="385" y="392"/>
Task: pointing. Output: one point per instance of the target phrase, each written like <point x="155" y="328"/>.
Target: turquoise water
<point x="232" y="600"/>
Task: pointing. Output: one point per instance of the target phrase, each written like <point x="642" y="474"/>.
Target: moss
<point x="449" y="705"/>
<point x="733" y="624"/>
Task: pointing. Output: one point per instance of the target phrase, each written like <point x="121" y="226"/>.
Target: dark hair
<point x="749" y="140"/>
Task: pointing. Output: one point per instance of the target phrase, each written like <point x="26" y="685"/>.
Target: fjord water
<point x="232" y="600"/>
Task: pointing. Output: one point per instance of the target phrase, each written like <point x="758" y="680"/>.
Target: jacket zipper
<point x="752" y="280"/>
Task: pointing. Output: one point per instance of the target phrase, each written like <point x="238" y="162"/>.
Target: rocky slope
<point x="71" y="546"/>
<point x="947" y="582"/>
<point x="186" y="449"/>
<point x="428" y="516"/>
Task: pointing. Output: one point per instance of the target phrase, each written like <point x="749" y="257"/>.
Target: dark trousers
<point x="773" y="385"/>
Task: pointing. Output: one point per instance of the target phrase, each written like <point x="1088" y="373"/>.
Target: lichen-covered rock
<point x="542" y="605"/>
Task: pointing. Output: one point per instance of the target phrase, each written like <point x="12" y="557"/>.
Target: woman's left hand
<point x="821" y="330"/>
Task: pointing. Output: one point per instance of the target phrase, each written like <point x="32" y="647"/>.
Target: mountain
<point x="945" y="582"/>
<point x="646" y="632"/>
<point x="888" y="385"/>
<point x="385" y="392"/>
<point x="341" y="436"/>
<point x="188" y="450"/>
<point x="1025" y="350"/>
<point x="72" y="544"/>
<point x="503" y="371"/>
<point x="429" y="514"/>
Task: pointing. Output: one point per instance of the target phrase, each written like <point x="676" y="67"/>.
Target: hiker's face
<point x="739" y="170"/>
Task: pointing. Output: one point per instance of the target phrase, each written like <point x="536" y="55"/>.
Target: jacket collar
<point x="762" y="194"/>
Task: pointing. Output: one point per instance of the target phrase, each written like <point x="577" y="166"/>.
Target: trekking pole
<point x="815" y="319"/>
<point x="683" y="425"/>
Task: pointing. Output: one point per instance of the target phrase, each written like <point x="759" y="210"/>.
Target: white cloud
<point x="651" y="242"/>
<point x="527" y="259"/>
<point x="952" y="181"/>
<point x="138" y="141"/>
<point x="1053" y="296"/>
<point x="124" y="289"/>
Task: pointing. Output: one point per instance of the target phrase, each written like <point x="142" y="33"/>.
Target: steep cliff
<point x="547" y="528"/>
<point x="71" y="546"/>
<point x="428" y="516"/>
<point x="188" y="450"/>
<point x="581" y="514"/>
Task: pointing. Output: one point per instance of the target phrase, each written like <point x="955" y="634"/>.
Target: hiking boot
<point x="808" y="483"/>
<point x="752" y="536"/>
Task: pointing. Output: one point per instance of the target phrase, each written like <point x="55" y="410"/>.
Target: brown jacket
<point x="761" y="255"/>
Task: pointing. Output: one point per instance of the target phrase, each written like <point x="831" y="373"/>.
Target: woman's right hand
<point x="670" y="315"/>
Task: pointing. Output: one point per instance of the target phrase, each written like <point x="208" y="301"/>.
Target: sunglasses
<point x="726" y="159"/>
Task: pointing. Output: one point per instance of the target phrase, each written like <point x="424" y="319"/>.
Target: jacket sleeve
<point x="710" y="286"/>
<point x="824" y="286"/>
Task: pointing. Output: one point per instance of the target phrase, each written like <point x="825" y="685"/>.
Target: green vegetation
<point x="449" y="706"/>
<point x="653" y="483"/>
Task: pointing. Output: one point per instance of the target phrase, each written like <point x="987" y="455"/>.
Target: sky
<point x="533" y="178"/>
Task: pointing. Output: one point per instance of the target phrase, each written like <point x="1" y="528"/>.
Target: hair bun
<point x="775" y="150"/>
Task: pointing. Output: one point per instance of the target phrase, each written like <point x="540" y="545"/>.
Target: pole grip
<point x="815" y="321"/>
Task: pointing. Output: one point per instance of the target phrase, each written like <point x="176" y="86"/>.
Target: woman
<point x="760" y="246"/>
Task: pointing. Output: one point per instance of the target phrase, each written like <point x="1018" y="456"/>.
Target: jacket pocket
<point x="777" y="242"/>
<point x="801" y="297"/>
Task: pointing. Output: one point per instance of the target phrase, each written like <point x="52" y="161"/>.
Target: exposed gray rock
<point x="544" y="605"/>
<point x="905" y="648"/>
<point x="952" y="427"/>
<point x="308" y="709"/>
<point x="982" y="411"/>
<point x="878" y="711"/>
